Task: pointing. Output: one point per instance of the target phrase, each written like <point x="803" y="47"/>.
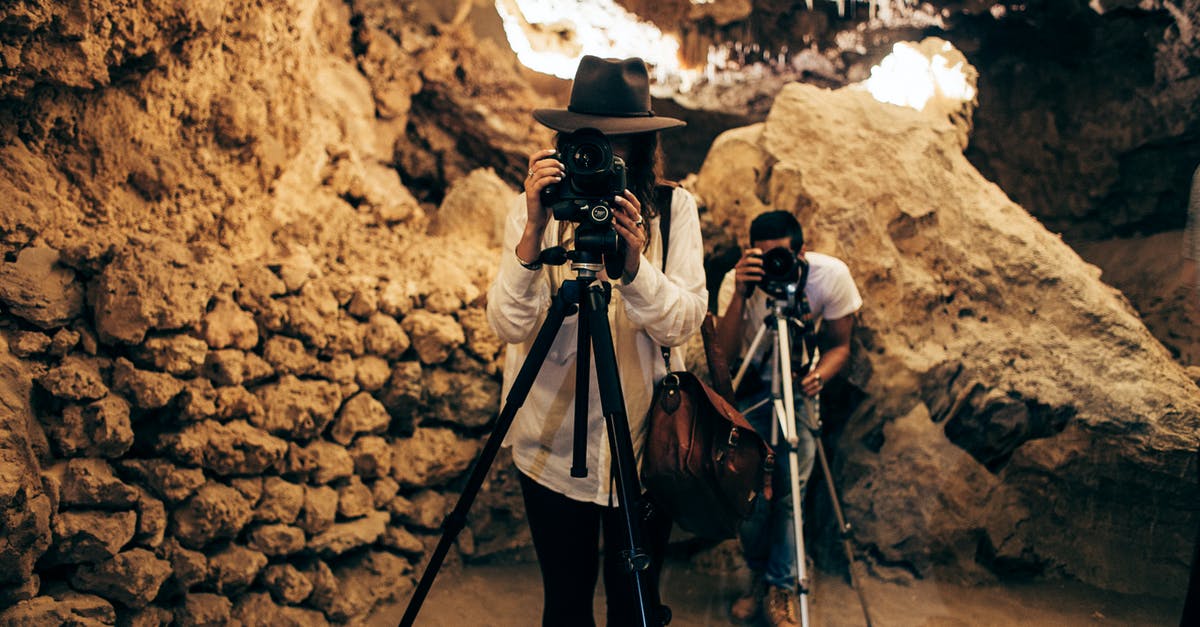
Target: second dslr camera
<point x="783" y="272"/>
<point x="594" y="176"/>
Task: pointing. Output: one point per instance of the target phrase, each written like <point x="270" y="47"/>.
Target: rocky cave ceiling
<point x="1087" y="113"/>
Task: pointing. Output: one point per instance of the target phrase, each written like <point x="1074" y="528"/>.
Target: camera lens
<point x="587" y="157"/>
<point x="779" y="264"/>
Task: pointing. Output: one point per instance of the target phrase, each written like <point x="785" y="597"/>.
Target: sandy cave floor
<point x="508" y="595"/>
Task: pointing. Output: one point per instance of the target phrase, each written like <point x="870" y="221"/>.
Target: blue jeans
<point x="768" y="535"/>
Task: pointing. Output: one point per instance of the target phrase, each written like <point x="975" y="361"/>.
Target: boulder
<point x="431" y="457"/>
<point x="228" y="326"/>
<point x="233" y="568"/>
<point x="91" y="483"/>
<point x="214" y="511"/>
<point x="132" y="577"/>
<point x="91" y="535"/>
<point x="359" y="583"/>
<point x="297" y="409"/>
<point x="276" y="539"/>
<point x="286" y="584"/>
<point x="168" y="481"/>
<point x="361" y="414"/>
<point x="402" y="395"/>
<point x="70" y="608"/>
<point x="75" y="379"/>
<point x="149" y="390"/>
<point x="188" y="567"/>
<point x="256" y="609"/>
<point x="371" y="372"/>
<point x="434" y="336"/>
<point x="372" y="456"/>
<point x="234" y="448"/>
<point x="281" y="501"/>
<point x="203" y="609"/>
<point x="330" y="462"/>
<point x="287" y="355"/>
<point x="462" y="398"/>
<point x="354" y="499"/>
<point x="482" y="341"/>
<point x="25" y="508"/>
<point x="38" y="290"/>
<point x="385" y="337"/>
<point x="177" y="354"/>
<point x="1015" y="390"/>
<point x="230" y="366"/>
<point x="320" y="509"/>
<point x="343" y="537"/>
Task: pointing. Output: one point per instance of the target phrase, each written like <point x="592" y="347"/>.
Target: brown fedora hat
<point x="609" y="95"/>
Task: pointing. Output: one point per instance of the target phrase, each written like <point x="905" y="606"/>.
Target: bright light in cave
<point x="568" y="29"/>
<point x="908" y="78"/>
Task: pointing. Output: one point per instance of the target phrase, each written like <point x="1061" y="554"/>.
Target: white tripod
<point x="784" y="313"/>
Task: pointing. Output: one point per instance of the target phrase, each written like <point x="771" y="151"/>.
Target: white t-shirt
<point x="830" y="289"/>
<point x="653" y="310"/>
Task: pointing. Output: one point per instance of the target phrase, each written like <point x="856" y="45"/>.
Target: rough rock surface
<point x="245" y="214"/>
<point x="1012" y="391"/>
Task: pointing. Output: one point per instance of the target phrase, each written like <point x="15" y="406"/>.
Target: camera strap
<point x="663" y="194"/>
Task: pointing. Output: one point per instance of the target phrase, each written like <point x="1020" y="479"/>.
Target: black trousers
<point x="566" y="535"/>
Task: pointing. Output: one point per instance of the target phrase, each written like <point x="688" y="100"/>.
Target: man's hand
<point x="748" y="271"/>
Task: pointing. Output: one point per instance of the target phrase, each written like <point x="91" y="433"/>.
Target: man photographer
<point x="607" y="139"/>
<point x="768" y="537"/>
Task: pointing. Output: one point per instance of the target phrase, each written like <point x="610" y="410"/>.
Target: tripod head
<point x="596" y="249"/>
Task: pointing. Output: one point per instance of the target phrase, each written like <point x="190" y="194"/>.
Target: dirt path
<point x="510" y="595"/>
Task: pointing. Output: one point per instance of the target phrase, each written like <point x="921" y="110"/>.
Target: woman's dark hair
<point x="643" y="173"/>
<point x="775" y="225"/>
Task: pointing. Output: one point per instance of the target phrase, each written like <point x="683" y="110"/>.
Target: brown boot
<point x="747" y="606"/>
<point x="782" y="607"/>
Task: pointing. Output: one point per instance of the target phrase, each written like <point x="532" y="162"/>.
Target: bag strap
<point x="663" y="195"/>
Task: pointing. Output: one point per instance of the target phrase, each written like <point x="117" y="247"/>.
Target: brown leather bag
<point x="704" y="464"/>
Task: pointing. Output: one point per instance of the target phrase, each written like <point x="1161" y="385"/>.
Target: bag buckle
<point x="734" y="436"/>
<point x="671" y="395"/>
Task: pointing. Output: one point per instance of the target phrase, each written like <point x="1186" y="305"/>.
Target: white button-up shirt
<point x="653" y="310"/>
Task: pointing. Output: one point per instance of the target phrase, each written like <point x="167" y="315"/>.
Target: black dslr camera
<point x="783" y="271"/>
<point x="594" y="176"/>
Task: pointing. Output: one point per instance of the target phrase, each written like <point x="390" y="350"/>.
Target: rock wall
<point x="246" y="358"/>
<point x="1014" y="416"/>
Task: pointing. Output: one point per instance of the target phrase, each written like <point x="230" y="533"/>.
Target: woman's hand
<point x="748" y="271"/>
<point x="544" y="169"/>
<point x="629" y="225"/>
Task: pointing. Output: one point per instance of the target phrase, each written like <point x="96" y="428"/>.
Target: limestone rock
<point x="312" y="314"/>
<point x="188" y="567"/>
<point x="91" y="535"/>
<point x="28" y="343"/>
<point x="371" y="372"/>
<point x="170" y="482"/>
<point x="287" y="584"/>
<point x="155" y="284"/>
<point x="132" y="578"/>
<point x="151" y="616"/>
<point x="152" y="519"/>
<point x="237" y="402"/>
<point x="197" y="401"/>
<point x="385" y="337"/>
<point x="40" y="291"/>
<point x="434" y="336"/>
<point x="354" y="499"/>
<point x="474" y="208"/>
<point x="396" y="298"/>
<point x="287" y="355"/>
<point x="249" y="487"/>
<point x="214" y="511"/>
<point x="234" y="568"/>
<point x="64" y="341"/>
<point x="177" y="354"/>
<point x="383" y="490"/>
<point x="431" y="457"/>
<point x="467" y="399"/>
<point x="281" y="501"/>
<point x="149" y="390"/>
<point x="25" y="508"/>
<point x="91" y="483"/>
<point x="101" y="429"/>
<point x="361" y="414"/>
<point x="70" y="608"/>
<point x="75" y="379"/>
<point x="320" y="509"/>
<point x="331" y="462"/>
<point x="403" y="541"/>
<point x="256" y="609"/>
<point x="403" y="393"/>
<point x="228" y="326"/>
<point x="359" y="583"/>
<point x="372" y="456"/>
<point x="429" y="509"/>
<point x="276" y="539"/>
<point x="343" y="537"/>
<point x="231" y="366"/>
<point x="1020" y="409"/>
<point x="482" y="341"/>
<point x="297" y="409"/>
<point x="234" y="448"/>
<point x="203" y="609"/>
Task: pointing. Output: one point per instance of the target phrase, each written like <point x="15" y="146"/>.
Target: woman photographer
<point x="649" y="308"/>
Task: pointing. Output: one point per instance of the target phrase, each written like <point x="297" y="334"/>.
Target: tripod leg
<point x="844" y="529"/>
<point x="612" y="401"/>
<point x="562" y="304"/>
<point x="583" y="366"/>
<point x="792" y="432"/>
<point x="737" y="380"/>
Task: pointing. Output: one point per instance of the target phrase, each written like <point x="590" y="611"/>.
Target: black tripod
<point x="590" y="298"/>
